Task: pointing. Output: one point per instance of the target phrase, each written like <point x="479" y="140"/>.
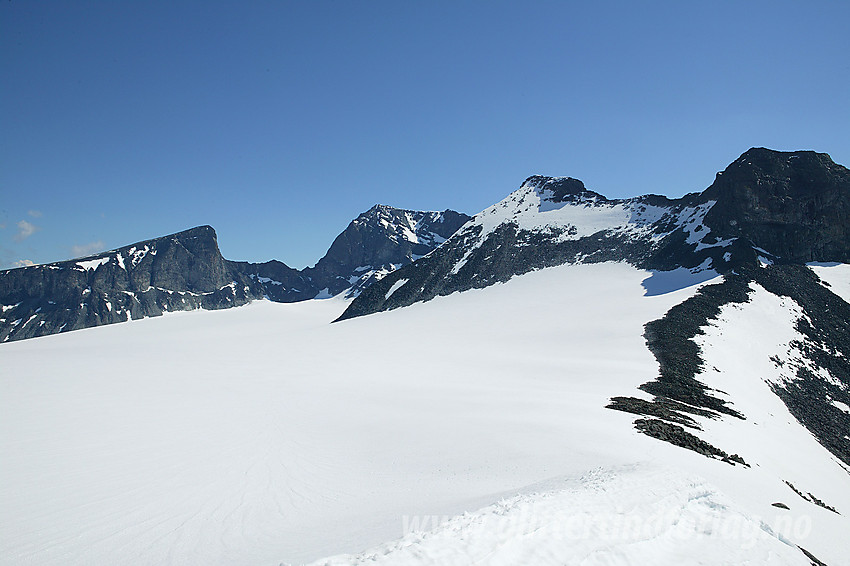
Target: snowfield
<point x="468" y="429"/>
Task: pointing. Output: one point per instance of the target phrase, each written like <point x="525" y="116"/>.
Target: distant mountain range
<point x="377" y="242"/>
<point x="769" y="206"/>
<point x="186" y="271"/>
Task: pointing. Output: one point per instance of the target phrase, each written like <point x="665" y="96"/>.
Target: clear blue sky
<point x="278" y="122"/>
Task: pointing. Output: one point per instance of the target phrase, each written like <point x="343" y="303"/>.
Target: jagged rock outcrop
<point x="794" y="205"/>
<point x="181" y="271"/>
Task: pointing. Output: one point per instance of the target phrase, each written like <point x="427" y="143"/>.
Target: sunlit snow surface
<point x="264" y="434"/>
<point x="836" y="275"/>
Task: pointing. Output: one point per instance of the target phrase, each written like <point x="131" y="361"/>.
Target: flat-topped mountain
<point x="795" y="205"/>
<point x="182" y="271"/>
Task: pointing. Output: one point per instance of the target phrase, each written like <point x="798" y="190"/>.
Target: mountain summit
<point x="182" y="271"/>
<point x="795" y="205"/>
<point x="377" y="242"/>
<point x="783" y="207"/>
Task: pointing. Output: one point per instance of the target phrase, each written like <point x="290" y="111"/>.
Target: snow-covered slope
<point x="562" y="207"/>
<point x="639" y="514"/>
<point x="553" y="221"/>
<point x="264" y="434"/>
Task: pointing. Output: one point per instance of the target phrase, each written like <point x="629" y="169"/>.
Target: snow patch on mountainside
<point x="836" y="275"/>
<point x="530" y="210"/>
<point x="395" y="287"/>
<point x="92" y="264"/>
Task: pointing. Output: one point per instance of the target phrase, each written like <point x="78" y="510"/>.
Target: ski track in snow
<point x="264" y="434"/>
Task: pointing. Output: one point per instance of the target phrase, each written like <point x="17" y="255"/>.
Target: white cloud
<point x="35" y="213"/>
<point x="25" y="230"/>
<point x="23" y="263"/>
<point x="86" y="249"/>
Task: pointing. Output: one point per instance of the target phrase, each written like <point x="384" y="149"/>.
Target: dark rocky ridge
<point x="280" y="282"/>
<point x="788" y="207"/>
<point x="678" y="436"/>
<point x="826" y="344"/>
<point x="178" y="272"/>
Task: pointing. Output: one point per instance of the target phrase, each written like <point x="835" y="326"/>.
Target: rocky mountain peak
<point x="782" y="173"/>
<point x="198" y="232"/>
<point x="379" y="241"/>
<point x="795" y="205"/>
<point x="179" y="271"/>
<point x="559" y="189"/>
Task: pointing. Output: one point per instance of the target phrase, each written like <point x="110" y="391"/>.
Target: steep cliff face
<point x="182" y="271"/>
<point x="794" y="205"/>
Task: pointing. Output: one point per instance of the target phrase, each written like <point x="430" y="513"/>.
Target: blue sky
<point x="278" y="122"/>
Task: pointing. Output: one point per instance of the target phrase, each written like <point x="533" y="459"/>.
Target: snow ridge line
<point x="811" y="397"/>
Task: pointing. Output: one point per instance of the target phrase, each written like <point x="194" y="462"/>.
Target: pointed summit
<point x="379" y="241"/>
